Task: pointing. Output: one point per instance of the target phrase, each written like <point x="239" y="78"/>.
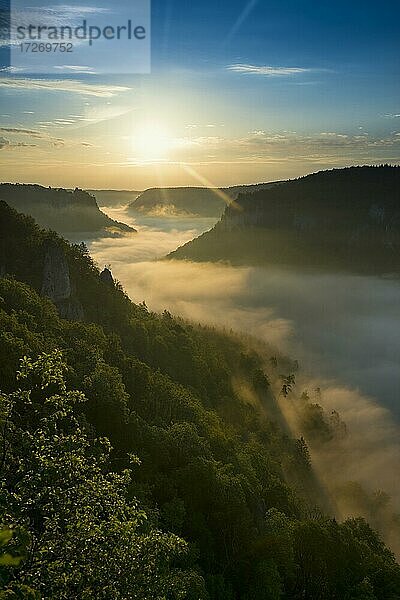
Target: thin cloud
<point x="267" y="71"/>
<point x="20" y="131"/>
<point x="70" y="9"/>
<point x="41" y="136"/>
<point x="11" y="69"/>
<point x="265" y="146"/>
<point x="7" y="145"/>
<point x="76" y="69"/>
<point x="30" y="132"/>
<point x="67" y="85"/>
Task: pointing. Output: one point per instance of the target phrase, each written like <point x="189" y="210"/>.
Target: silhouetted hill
<point x="114" y="197"/>
<point x="196" y="201"/>
<point x="340" y="219"/>
<point x="62" y="210"/>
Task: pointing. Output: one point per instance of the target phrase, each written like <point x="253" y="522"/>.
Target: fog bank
<point x="343" y="330"/>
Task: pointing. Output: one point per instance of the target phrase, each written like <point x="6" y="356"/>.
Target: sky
<point x="239" y="92"/>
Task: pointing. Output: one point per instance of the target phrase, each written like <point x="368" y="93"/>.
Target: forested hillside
<point x="64" y="211"/>
<point x="344" y="219"/>
<point x="185" y="201"/>
<point x="224" y="504"/>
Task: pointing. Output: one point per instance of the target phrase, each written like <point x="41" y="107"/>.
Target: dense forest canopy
<point x="344" y="219"/>
<point x="65" y="211"/>
<point x="224" y="504"/>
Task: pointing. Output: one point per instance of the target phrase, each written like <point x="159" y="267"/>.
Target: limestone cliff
<point x="56" y="280"/>
<point x="57" y="285"/>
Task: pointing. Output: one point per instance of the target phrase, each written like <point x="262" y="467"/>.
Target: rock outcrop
<point x="106" y="277"/>
<point x="57" y="285"/>
<point x="56" y="280"/>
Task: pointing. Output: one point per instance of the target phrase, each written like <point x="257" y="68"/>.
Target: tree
<point x="86" y="540"/>
<point x="288" y="382"/>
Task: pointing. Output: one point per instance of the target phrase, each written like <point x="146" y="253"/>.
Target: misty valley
<point x="200" y="300"/>
<point x="202" y="385"/>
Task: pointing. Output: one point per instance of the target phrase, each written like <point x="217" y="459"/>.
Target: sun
<point x="152" y="141"/>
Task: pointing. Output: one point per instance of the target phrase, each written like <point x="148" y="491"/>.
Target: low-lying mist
<point x="339" y="325"/>
<point x="343" y="330"/>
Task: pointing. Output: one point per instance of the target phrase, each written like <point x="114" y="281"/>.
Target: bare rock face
<point x="106" y="277"/>
<point x="56" y="281"/>
<point x="71" y="309"/>
<point x="57" y="284"/>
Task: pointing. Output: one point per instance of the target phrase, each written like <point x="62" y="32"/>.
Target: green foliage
<point x="318" y="427"/>
<point x="86" y="540"/>
<point x="214" y="469"/>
